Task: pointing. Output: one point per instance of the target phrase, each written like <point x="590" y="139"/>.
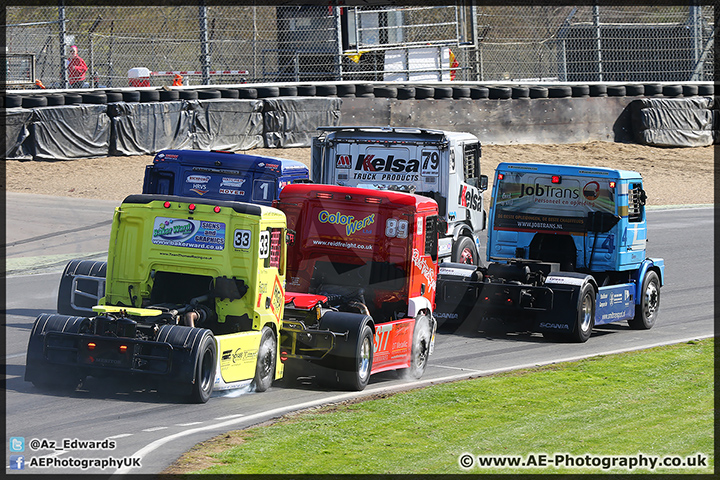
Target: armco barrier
<point x="143" y="121"/>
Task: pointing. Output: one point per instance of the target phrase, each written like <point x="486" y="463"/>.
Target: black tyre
<point x="358" y="375"/>
<point x="405" y="93"/>
<point x="266" y="360"/>
<point x="424" y="92"/>
<point x="289" y="91"/>
<point x="210" y="94"/>
<point x="268" y="92"/>
<point x="385" y="92"/>
<point x="87" y="295"/>
<point x="364" y="90"/>
<point x="56" y="99"/>
<point x="464" y="251"/>
<point x="422" y="335"/>
<point x="560" y="91"/>
<point x="38" y="370"/>
<point x="580" y="90"/>
<point x="706" y="90"/>
<point x="616" y="90"/>
<point x="326" y="90"/>
<point x="248" y="93"/>
<point x="689" y="90"/>
<point x="461" y="92"/>
<point x="73" y="99"/>
<point x="646" y="311"/>
<point x="598" y="90"/>
<point x="188" y="94"/>
<point x="149" y="96"/>
<point x="634" y="90"/>
<point x="500" y="93"/>
<point x="442" y="93"/>
<point x="205" y="362"/>
<point x="229" y="93"/>
<point x="520" y="91"/>
<point x="169" y="95"/>
<point x="538" y="92"/>
<point x="34" y="101"/>
<point x="13" y="101"/>
<point x="653" y="89"/>
<point x="128" y="97"/>
<point x="306" y="90"/>
<point x="672" y="90"/>
<point x="346" y="90"/>
<point x="585" y="315"/>
<point x="94" y="98"/>
<point x="114" y="97"/>
<point x="477" y="93"/>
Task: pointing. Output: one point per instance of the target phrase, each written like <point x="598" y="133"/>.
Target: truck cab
<point x="441" y="165"/>
<point x="221" y="175"/>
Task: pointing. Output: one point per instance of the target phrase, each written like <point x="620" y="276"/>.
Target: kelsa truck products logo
<point x="371" y="166"/>
<point x="470" y="198"/>
<point x="351" y="225"/>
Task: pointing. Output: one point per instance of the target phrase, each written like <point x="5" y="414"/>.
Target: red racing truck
<point x="367" y="252"/>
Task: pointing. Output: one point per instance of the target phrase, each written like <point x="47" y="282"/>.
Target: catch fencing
<point x="469" y="42"/>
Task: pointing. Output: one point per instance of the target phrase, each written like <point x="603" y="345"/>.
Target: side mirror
<point x="483" y="183"/>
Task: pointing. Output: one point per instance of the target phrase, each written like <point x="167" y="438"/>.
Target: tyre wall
<point x="69" y="124"/>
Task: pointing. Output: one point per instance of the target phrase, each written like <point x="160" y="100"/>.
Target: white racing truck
<point x="444" y="166"/>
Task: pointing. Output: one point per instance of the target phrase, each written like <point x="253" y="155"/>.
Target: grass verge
<point x="636" y="406"/>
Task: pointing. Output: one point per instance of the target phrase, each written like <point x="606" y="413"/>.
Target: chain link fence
<point x="211" y="44"/>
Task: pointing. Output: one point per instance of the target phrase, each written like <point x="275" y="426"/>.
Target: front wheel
<point x="204" y="370"/>
<point x="358" y="375"/>
<point x="266" y="360"/>
<point x="585" y="315"/>
<point x="646" y="311"/>
<point x="463" y="251"/>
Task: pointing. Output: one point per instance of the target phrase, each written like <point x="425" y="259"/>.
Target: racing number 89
<point x="396" y="228"/>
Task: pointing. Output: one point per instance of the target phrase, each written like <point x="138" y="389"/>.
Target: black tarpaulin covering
<point x="293" y="121"/>
<point x="16" y="124"/>
<point x="673" y="122"/>
<point x="70" y="131"/>
<point x="146" y="128"/>
<point x="227" y="124"/>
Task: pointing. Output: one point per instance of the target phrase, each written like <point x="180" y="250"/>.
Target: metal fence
<point x="213" y="44"/>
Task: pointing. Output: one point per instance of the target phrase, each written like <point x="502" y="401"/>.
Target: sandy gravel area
<point x="672" y="176"/>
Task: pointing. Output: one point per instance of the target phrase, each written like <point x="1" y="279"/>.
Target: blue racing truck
<point x="221" y="175"/>
<point x="566" y="251"/>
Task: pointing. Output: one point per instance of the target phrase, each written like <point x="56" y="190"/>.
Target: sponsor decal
<point x="564" y="280"/>
<point x="278" y="299"/>
<point x="231" y="191"/>
<point x="548" y="191"/>
<point x="232" y="182"/>
<point x="343" y="161"/>
<point x="197" y="179"/>
<point x="591" y="190"/>
<point x="199" y="191"/>
<point x="351" y="225"/>
<point x="556" y="326"/>
<point x="425" y="270"/>
<point x="188" y="233"/>
<point x="446" y="315"/>
<point x="470" y="198"/>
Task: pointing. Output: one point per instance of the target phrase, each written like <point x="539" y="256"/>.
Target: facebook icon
<point x="17" y="462"/>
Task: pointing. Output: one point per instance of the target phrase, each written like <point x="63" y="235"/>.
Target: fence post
<point x="338" y="38"/>
<point x="204" y="51"/>
<point x="596" y="22"/>
<point x="63" y="30"/>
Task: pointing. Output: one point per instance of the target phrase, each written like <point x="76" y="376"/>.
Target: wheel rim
<point x="422" y="355"/>
<point x="364" y="364"/>
<point x="652" y="299"/>
<point x="466" y="256"/>
<point x="266" y="361"/>
<point x="586" y="312"/>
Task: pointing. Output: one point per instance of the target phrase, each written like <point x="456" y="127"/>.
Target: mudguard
<point x="185" y="342"/>
<point x="347" y="328"/>
<point x="37" y="368"/>
<point x="458" y="287"/>
<point x="562" y="317"/>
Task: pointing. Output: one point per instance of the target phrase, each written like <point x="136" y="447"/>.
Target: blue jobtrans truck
<point x="566" y="251"/>
<point x="221" y="175"/>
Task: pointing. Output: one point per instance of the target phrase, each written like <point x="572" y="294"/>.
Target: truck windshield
<point x="543" y="202"/>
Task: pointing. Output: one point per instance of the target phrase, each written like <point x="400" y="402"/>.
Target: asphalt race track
<point x="153" y="430"/>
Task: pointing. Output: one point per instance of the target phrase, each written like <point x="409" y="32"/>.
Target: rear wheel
<point x="267" y="356"/>
<point x="585" y="315"/>
<point x="204" y="370"/>
<point x="646" y="310"/>
<point x="464" y="251"/>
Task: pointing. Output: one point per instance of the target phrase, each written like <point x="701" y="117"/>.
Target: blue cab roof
<point x="230" y="160"/>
